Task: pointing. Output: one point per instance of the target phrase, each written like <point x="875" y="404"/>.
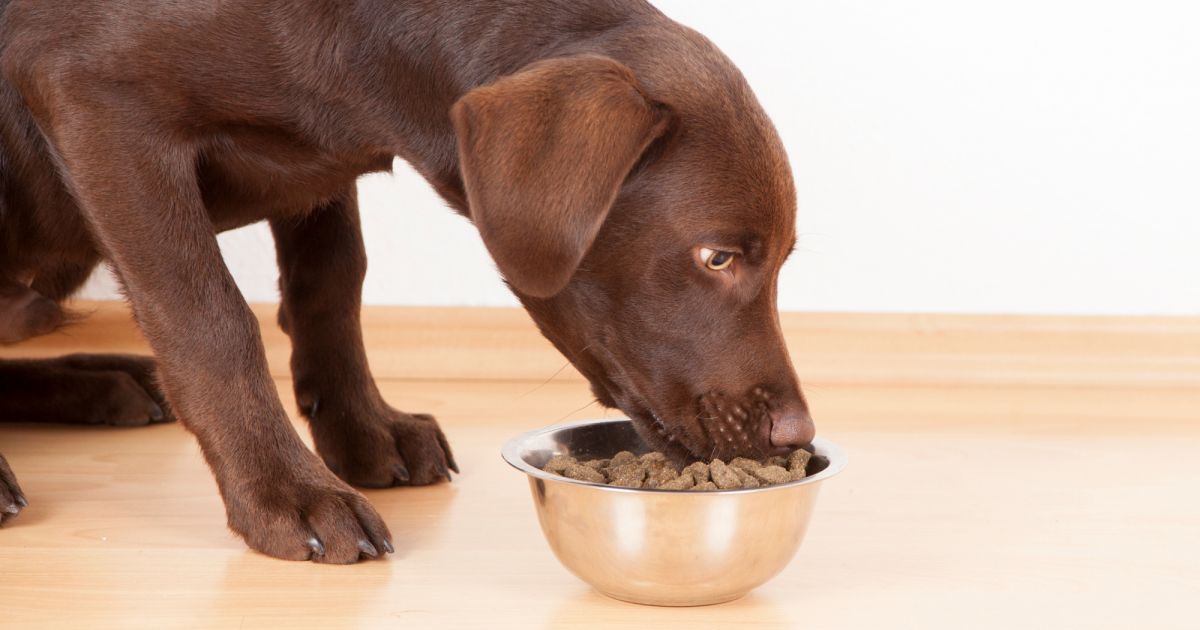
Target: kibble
<point x="622" y="458"/>
<point x="682" y="482"/>
<point x="798" y="460"/>
<point x="746" y="464"/>
<point x="583" y="473"/>
<point x="595" y="464"/>
<point x="698" y="471"/>
<point x="723" y="476"/>
<point x="558" y="464"/>
<point x="748" y="480"/>
<point x="660" y="475"/>
<point x="654" y="471"/>
<point x="653" y="457"/>
<point x="773" y="474"/>
<point x="627" y="475"/>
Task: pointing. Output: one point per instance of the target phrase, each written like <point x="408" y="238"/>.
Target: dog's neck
<point x="439" y="51"/>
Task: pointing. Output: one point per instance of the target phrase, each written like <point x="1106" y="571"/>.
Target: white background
<point x="1018" y="156"/>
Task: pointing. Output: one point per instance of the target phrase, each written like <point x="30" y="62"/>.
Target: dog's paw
<point x="132" y="396"/>
<point x="381" y="448"/>
<point x="27" y="314"/>
<point x="12" y="500"/>
<point x="123" y="402"/>
<point x="311" y="516"/>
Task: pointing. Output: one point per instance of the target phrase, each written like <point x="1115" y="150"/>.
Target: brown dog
<point x="618" y="167"/>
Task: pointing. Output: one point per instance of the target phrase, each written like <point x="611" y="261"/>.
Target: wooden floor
<point x="1006" y="472"/>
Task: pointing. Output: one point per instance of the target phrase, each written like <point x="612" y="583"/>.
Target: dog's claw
<point x="401" y="473"/>
<point x="317" y="547"/>
<point x="443" y="471"/>
<point x="21" y="501"/>
<point x="368" y="549"/>
<point x="453" y="464"/>
<point x="156" y="414"/>
<point x="13" y="509"/>
<point x="387" y="547"/>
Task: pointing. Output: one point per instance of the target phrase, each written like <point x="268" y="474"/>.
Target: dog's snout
<point x="791" y="425"/>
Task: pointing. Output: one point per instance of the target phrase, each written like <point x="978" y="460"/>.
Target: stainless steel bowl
<point x="664" y="547"/>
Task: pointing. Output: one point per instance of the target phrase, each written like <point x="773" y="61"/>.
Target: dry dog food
<point x="654" y="470"/>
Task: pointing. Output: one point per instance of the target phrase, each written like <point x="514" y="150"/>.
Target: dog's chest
<point x="250" y="174"/>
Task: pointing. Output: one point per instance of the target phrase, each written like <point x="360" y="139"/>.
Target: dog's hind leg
<point x="322" y="264"/>
<point x="25" y="313"/>
<point x="86" y="389"/>
<point x="117" y="390"/>
<point x="64" y="279"/>
<point x="79" y="388"/>
<point x="11" y="497"/>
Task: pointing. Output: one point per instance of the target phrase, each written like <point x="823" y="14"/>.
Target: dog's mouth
<point x="705" y="427"/>
<point x="720" y="428"/>
<point x="738" y="427"/>
<point x="661" y="437"/>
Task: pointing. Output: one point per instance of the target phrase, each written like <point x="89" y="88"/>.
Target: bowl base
<point x="674" y="603"/>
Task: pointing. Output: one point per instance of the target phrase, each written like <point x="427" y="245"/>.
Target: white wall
<point x="1021" y="156"/>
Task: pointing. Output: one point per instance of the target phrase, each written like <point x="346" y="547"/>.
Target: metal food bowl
<point x="664" y="547"/>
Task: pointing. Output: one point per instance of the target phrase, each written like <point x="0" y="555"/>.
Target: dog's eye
<point x="716" y="259"/>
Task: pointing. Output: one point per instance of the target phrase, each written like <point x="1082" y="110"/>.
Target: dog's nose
<point x="791" y="425"/>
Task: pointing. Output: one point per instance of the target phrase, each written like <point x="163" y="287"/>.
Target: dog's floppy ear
<point x="543" y="153"/>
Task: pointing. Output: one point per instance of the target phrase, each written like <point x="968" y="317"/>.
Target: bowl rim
<point x="511" y="452"/>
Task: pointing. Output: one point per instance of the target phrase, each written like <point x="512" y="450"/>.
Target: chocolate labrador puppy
<point x="620" y="171"/>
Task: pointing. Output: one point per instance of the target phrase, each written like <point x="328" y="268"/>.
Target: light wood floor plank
<point x="1027" y="472"/>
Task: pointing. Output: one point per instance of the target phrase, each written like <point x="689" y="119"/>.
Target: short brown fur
<point x="598" y="146"/>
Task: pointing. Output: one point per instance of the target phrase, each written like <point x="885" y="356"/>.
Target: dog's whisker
<point x="571" y="413"/>
<point x="558" y="371"/>
<point x="547" y="381"/>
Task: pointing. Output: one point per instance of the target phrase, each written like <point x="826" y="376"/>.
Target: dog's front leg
<point x="321" y="268"/>
<point x="139" y="192"/>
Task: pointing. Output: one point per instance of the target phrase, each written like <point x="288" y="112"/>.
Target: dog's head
<point x="645" y="236"/>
